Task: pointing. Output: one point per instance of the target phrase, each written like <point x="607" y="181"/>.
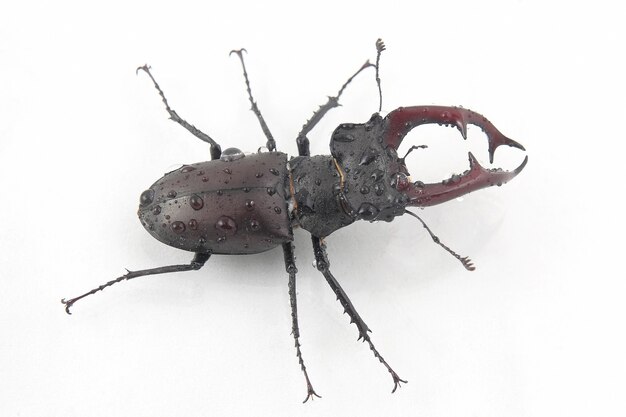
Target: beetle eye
<point x="400" y="181"/>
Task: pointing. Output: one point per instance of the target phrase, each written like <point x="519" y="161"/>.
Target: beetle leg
<point x="302" y="140"/>
<point x="290" y="266"/>
<point x="216" y="150"/>
<point x="322" y="263"/>
<point x="197" y="262"/>
<point x="271" y="143"/>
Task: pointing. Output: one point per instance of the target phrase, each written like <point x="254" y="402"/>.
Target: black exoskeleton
<point x="242" y="204"/>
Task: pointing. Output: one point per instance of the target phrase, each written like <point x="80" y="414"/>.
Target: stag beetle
<point x="242" y="204"/>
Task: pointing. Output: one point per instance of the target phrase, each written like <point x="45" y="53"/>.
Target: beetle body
<point x="240" y="204"/>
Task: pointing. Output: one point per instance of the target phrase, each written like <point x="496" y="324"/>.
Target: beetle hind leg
<point x="322" y="263"/>
<point x="216" y="150"/>
<point x="290" y="266"/>
<point x="196" y="263"/>
<point x="271" y="143"/>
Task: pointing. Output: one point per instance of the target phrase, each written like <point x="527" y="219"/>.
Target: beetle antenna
<point x="467" y="262"/>
<point x="411" y="149"/>
<point x="380" y="47"/>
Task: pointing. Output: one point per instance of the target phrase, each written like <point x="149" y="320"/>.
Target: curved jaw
<point x="400" y="121"/>
<point x="477" y="177"/>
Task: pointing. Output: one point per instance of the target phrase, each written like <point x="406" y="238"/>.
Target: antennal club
<point x="467" y="262"/>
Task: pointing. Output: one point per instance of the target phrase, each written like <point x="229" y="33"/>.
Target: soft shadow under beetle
<point x="241" y="204"/>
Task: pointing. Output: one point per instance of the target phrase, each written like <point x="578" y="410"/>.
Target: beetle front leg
<point x="197" y="262"/>
<point x="302" y="141"/>
<point x="323" y="265"/>
<point x="216" y="150"/>
<point x="290" y="266"/>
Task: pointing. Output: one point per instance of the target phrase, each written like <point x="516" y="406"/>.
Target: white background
<point x="537" y="330"/>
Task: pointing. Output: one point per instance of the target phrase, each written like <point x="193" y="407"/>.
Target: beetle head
<point x="376" y="181"/>
<point x="374" y="178"/>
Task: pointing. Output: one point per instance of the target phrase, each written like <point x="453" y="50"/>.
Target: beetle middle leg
<point x="323" y="265"/>
<point x="216" y="150"/>
<point x="290" y="266"/>
<point x="196" y="263"/>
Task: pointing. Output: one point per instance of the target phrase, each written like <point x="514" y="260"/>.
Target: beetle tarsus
<point x="196" y="263"/>
<point x="68" y="304"/>
<point x="290" y="267"/>
<point x="144" y="67"/>
<point x="397" y="381"/>
<point x="310" y="392"/>
<point x="238" y="51"/>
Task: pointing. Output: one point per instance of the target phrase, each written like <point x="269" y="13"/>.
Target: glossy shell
<point x="371" y="170"/>
<point x="229" y="207"/>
